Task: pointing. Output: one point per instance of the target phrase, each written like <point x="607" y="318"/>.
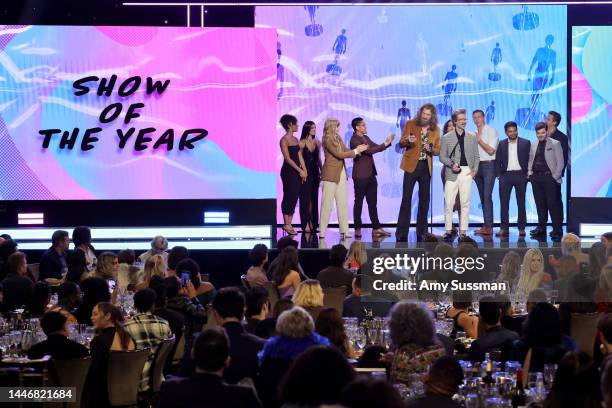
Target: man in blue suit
<point x="511" y="163"/>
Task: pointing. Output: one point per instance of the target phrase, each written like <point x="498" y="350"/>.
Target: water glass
<point x="549" y="374"/>
<point x="472" y="401"/>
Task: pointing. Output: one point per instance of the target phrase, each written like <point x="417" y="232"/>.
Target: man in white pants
<point x="459" y="155"/>
<point x="334" y="177"/>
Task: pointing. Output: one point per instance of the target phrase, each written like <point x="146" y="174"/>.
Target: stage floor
<point x="332" y="237"/>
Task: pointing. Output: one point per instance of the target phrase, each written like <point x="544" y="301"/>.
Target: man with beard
<point x="545" y="173"/>
<point x="511" y="162"/>
<point x="421" y="140"/>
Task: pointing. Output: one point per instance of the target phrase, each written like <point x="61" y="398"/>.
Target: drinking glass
<point x="549" y="374"/>
<point x="471" y="401"/>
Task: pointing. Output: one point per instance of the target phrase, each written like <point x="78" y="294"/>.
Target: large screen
<point x="348" y="61"/>
<point x="137" y="113"/>
<point x="591" y="112"/>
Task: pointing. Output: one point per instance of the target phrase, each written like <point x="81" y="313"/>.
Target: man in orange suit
<point x="421" y="140"/>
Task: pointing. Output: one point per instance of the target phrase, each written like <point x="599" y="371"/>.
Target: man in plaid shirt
<point x="147" y="330"/>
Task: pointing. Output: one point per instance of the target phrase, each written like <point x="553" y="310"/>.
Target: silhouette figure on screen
<point x="526" y="20"/>
<point x="421" y="47"/>
<point x="496" y="58"/>
<point x="545" y="62"/>
<point x="448" y="86"/>
<point x="490" y="112"/>
<point x="280" y="71"/>
<point x="403" y="116"/>
<point x="314" y="29"/>
<point x="339" y="48"/>
<point x="382" y="17"/>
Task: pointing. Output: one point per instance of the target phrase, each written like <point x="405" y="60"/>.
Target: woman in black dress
<point x="293" y="172"/>
<point x="309" y="194"/>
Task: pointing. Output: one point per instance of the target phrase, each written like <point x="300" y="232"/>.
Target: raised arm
<point x="334" y="147"/>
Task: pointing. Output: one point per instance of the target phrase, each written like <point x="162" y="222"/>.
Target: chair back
<point x="35" y="269"/>
<point x="159" y="362"/>
<point x="583" y="330"/>
<point x="273" y="294"/>
<point x="70" y="372"/>
<point x="245" y="283"/>
<point x="124" y="372"/>
<point x="180" y="350"/>
<point x="334" y="297"/>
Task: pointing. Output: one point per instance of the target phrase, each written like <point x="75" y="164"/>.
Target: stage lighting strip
<point x="594" y="230"/>
<point x="145" y="245"/>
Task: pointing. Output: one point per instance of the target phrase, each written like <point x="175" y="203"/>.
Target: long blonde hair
<point x="510" y="268"/>
<point x="570" y="245"/>
<point x="330" y="128"/>
<point x="605" y="281"/>
<point x="308" y="294"/>
<point x="357" y="252"/>
<point x="529" y="281"/>
<point x="154" y="266"/>
<point x="105" y="268"/>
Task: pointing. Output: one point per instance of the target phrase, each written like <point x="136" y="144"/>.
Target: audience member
<point x="570" y="245"/>
<point x="95" y="290"/>
<point x="580" y="299"/>
<point x="576" y="383"/>
<point x="604" y="334"/>
<point x="128" y="274"/>
<point x="603" y="293"/>
<point x="360" y="301"/>
<point x="356" y="257"/>
<point x="441" y="251"/>
<point x="257" y="308"/>
<point x="184" y="301"/>
<point x="335" y="275"/>
<point x="508" y="320"/>
<point x="441" y="383"/>
<point x="211" y="354"/>
<point x="542" y="341"/>
<point x="367" y="392"/>
<point x="205" y="291"/>
<point x="159" y="246"/>
<point x="532" y="272"/>
<point x="154" y="266"/>
<point x="77" y="267"/>
<point x="17" y="286"/>
<point x="283" y="243"/>
<point x="309" y="295"/>
<point x="285" y="274"/>
<point x="413" y="337"/>
<point x="175" y="319"/>
<point x="459" y="312"/>
<point x="147" y="330"/>
<point x="316" y="377"/>
<point x="567" y="268"/>
<point x="229" y="306"/>
<point x="176" y="255"/>
<point x="606" y="383"/>
<point x="295" y="334"/>
<point x="57" y="345"/>
<point x="68" y="300"/>
<point x="7" y="248"/>
<point x="110" y="335"/>
<point x="41" y="297"/>
<point x="52" y="264"/>
<point x="108" y="266"/>
<point x="597" y="259"/>
<point x="267" y="327"/>
<point x="495" y="336"/>
<point x="258" y="257"/>
<point x="329" y="324"/>
<point x="510" y="270"/>
<point x="606" y="239"/>
<point x="81" y="238"/>
<point x="535" y="296"/>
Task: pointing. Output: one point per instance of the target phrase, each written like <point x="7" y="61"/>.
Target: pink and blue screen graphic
<point x="222" y="80"/>
<point x="591" y="111"/>
<point x="349" y="61"/>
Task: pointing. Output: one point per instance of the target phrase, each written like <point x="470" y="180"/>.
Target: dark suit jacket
<point x="336" y="276"/>
<point x="363" y="165"/>
<point x="58" y="347"/>
<point x="205" y="390"/>
<point x="52" y="265"/>
<point x="562" y="138"/>
<point x="17" y="291"/>
<point x="501" y="156"/>
<point x="244" y="347"/>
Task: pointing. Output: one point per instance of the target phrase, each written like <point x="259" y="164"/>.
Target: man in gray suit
<point x="545" y="172"/>
<point x="459" y="155"/>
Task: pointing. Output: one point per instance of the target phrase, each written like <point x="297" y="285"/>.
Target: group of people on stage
<point x="466" y="157"/>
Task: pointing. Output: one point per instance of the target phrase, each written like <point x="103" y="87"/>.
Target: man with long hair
<point x="421" y="141"/>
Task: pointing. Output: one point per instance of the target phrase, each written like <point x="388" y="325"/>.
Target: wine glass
<point x="549" y="374"/>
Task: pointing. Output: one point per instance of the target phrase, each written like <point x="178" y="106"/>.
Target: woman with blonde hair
<point x="603" y="294"/>
<point x="510" y="269"/>
<point x="309" y="295"/>
<point x="357" y="256"/>
<point x="334" y="176"/>
<point x="108" y="266"/>
<point x="154" y="266"/>
<point x="532" y="272"/>
<point x="570" y="245"/>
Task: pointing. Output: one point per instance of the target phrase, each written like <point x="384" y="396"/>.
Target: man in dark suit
<point x="552" y="122"/>
<point x="53" y="262"/>
<point x="57" y="345"/>
<point x="511" y="163"/>
<point x="545" y="173"/>
<point x="361" y="300"/>
<point x="336" y="275"/>
<point x="206" y="386"/>
<point x="364" y="177"/>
